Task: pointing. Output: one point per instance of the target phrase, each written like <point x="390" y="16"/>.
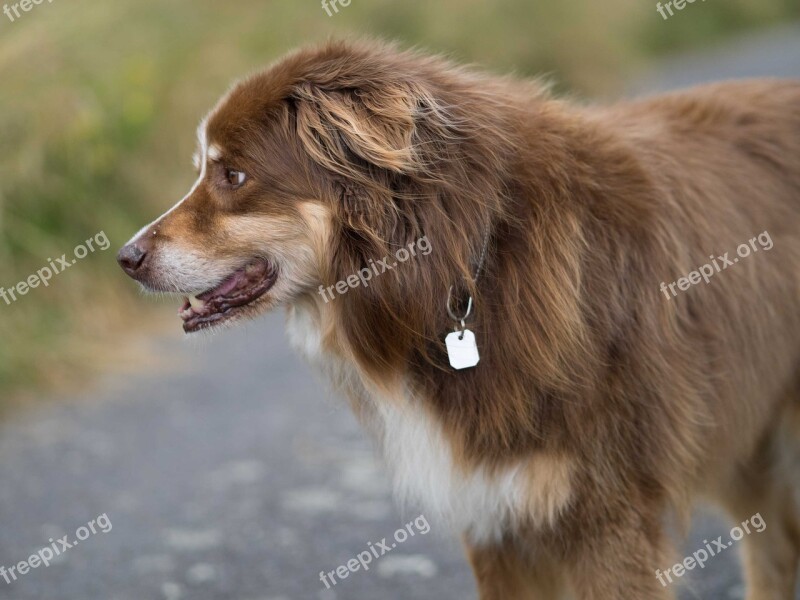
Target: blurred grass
<point x="99" y="101"/>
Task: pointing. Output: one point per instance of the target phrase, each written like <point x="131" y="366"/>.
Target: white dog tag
<point x="462" y="349"/>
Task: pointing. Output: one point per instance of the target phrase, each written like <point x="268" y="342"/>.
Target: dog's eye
<point x="235" y="178"/>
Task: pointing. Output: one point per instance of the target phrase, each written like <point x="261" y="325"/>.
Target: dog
<point x="587" y="409"/>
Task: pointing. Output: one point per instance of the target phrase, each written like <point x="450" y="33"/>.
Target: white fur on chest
<point x="419" y="455"/>
<point x="424" y="472"/>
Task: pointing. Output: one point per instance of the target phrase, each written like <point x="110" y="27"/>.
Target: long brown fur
<point x="646" y="402"/>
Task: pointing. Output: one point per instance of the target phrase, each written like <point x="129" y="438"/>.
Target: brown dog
<point x="605" y="398"/>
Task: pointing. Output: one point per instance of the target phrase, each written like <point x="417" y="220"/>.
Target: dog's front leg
<point x="504" y="572"/>
<point x="622" y="560"/>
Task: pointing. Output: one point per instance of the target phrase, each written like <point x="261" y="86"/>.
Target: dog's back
<point x="724" y="163"/>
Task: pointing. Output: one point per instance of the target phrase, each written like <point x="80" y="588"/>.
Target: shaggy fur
<point x="599" y="406"/>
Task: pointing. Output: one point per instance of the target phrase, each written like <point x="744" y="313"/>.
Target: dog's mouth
<point x="241" y="288"/>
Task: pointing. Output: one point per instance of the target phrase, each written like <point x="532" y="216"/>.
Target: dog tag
<point x="462" y="349"/>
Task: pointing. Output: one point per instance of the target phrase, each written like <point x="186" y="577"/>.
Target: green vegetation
<point x="99" y="101"/>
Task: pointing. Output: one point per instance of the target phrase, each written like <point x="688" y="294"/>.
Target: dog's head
<point x="331" y="158"/>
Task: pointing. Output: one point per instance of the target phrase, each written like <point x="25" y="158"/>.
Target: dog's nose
<point x="131" y="257"/>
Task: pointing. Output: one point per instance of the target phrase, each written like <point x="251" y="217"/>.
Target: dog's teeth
<point x="196" y="303"/>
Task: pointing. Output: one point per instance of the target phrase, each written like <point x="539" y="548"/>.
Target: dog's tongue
<point x="235" y="290"/>
<point x="225" y="287"/>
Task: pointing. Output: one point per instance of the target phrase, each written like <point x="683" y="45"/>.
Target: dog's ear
<point x="368" y="139"/>
<point x="347" y="130"/>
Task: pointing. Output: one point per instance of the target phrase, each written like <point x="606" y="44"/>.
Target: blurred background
<point x="98" y="108"/>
